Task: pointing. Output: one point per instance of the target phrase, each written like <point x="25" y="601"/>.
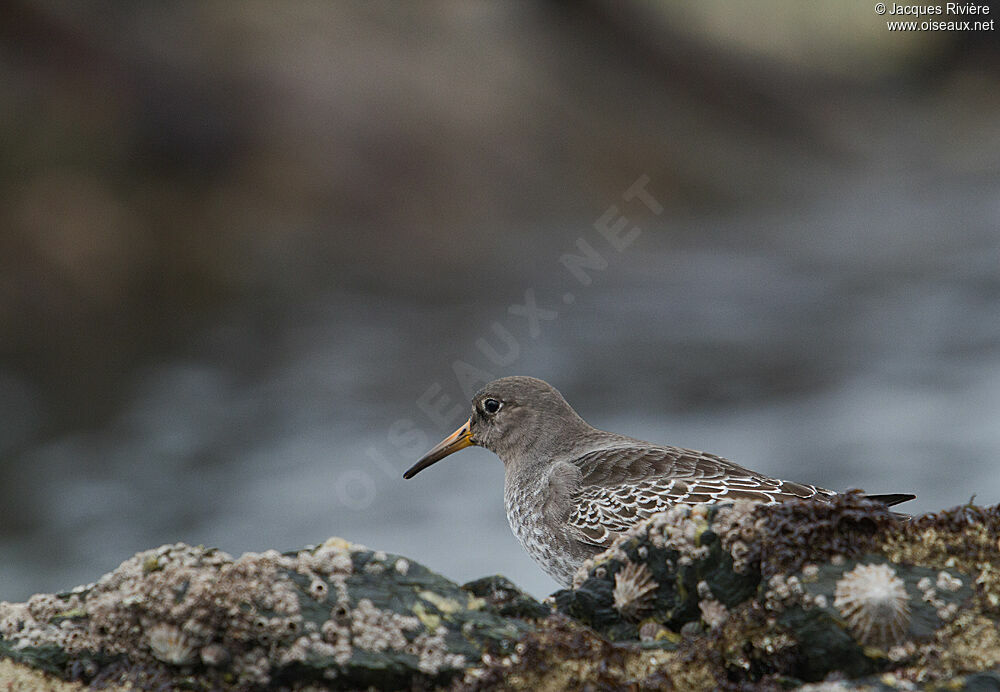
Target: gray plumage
<point x="571" y="489"/>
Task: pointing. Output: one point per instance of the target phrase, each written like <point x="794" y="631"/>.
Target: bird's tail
<point x="890" y="499"/>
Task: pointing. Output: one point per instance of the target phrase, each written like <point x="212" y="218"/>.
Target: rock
<point x="803" y="590"/>
<point x="810" y="595"/>
<point x="505" y="599"/>
<point x="652" y="575"/>
<point x="338" y="614"/>
<point x="562" y="654"/>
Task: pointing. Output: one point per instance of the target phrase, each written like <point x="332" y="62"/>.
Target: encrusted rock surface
<point x="338" y="614"/>
<point x="656" y="577"/>
<point x="810" y="595"/>
<point x="804" y="591"/>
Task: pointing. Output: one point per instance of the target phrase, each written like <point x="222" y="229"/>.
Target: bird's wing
<point x="622" y="485"/>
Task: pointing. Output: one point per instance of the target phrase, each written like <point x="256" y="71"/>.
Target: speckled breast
<point x="546" y="544"/>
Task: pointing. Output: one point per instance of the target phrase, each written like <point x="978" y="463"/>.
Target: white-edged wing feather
<point x="622" y="485"/>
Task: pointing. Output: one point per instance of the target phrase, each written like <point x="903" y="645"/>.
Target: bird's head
<point x="520" y="419"/>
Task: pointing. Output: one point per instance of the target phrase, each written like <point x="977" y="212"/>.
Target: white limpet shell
<point x="875" y="604"/>
<point x="634" y="585"/>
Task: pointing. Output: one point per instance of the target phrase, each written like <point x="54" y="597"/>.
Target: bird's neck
<point x="534" y="456"/>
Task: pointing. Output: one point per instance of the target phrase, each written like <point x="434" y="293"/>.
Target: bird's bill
<point x="460" y="439"/>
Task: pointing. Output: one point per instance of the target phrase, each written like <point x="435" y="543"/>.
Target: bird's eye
<point x="491" y="405"/>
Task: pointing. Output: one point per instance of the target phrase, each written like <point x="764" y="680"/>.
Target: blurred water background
<point x="248" y="249"/>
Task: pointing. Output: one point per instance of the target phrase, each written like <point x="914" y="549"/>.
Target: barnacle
<point x="169" y="644"/>
<point x="713" y="612"/>
<point x="947" y="582"/>
<point x="634" y="585"/>
<point x="875" y="603"/>
<point x="648" y="631"/>
<point x="214" y="655"/>
<point x="319" y="589"/>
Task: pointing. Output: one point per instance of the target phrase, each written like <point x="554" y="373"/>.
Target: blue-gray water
<point x="854" y="342"/>
<point x="241" y="249"/>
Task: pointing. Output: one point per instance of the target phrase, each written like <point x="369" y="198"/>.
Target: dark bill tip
<point x="460" y="439"/>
